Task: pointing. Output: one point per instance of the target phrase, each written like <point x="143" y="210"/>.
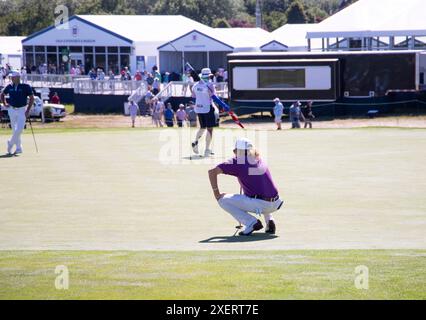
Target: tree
<point x="274" y="20"/>
<point x="316" y="15"/>
<point x="274" y="5"/>
<point x="296" y="13"/>
<point x="242" y="23"/>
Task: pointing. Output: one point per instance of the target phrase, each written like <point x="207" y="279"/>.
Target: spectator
<point x="138" y="76"/>
<point x="169" y="115"/>
<point x="145" y="76"/>
<point x="111" y="80"/>
<point x="166" y="77"/>
<point x="155" y="73"/>
<point x="148" y="102"/>
<point x="78" y="71"/>
<point x="125" y="74"/>
<point x="219" y="75"/>
<point x="92" y="74"/>
<point x="100" y="74"/>
<point x="101" y="78"/>
<point x="188" y="82"/>
<point x="156" y="86"/>
<point x="149" y="79"/>
<point x="295" y="115"/>
<point x="2" y="76"/>
<point x="24" y="75"/>
<point x="308" y="114"/>
<point x="192" y="115"/>
<point x="133" y="111"/>
<point x="181" y="115"/>
<point x="157" y="112"/>
<point x="55" y="99"/>
<point x="278" y="112"/>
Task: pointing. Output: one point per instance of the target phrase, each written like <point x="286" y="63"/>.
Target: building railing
<point x="139" y="93"/>
<point x="184" y="89"/>
<point x="108" y="87"/>
<point x="51" y="80"/>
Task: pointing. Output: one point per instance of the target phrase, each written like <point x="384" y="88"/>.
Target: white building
<point x="209" y="47"/>
<point x="374" y="25"/>
<point x="106" y="41"/>
<point x="11" y="51"/>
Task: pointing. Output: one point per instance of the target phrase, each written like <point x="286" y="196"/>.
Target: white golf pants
<point x="17" y="122"/>
<point x="239" y="206"/>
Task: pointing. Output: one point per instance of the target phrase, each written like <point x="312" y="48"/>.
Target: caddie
<point x="260" y="194"/>
<point x="202" y="91"/>
<point x="18" y="109"/>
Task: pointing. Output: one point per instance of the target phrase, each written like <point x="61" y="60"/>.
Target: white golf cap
<point x="243" y="144"/>
<point x="277" y="100"/>
<point x="205" y="72"/>
<point x="14" y="74"/>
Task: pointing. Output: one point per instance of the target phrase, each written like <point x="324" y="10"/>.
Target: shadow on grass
<point x="230" y="239"/>
<point x="195" y="157"/>
<point x="7" y="155"/>
<point x="199" y="157"/>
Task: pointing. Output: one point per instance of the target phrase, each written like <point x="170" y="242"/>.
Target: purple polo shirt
<point x="254" y="178"/>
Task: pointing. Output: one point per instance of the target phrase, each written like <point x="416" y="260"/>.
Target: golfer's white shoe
<point x="9" y="148"/>
<point x="195" y="147"/>
<point x="207" y="153"/>
<point x="257" y="225"/>
<point x="18" y="151"/>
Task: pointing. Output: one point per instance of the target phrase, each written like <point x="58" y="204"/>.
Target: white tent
<point x="290" y="37"/>
<point x="11" y="51"/>
<point x="368" y="19"/>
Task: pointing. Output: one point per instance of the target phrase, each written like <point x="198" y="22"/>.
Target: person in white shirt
<point x="278" y="112"/>
<point x="157" y="112"/>
<point x="133" y="111"/>
<point x="202" y="91"/>
<point x="188" y="81"/>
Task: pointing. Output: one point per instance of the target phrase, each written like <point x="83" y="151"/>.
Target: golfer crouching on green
<point x="260" y="195"/>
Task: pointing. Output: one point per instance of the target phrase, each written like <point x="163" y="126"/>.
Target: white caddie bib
<point x="202" y="97"/>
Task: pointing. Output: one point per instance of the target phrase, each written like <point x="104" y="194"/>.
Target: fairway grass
<point x="323" y="274"/>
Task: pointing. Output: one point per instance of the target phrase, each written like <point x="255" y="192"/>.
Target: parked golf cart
<point x="52" y="112"/>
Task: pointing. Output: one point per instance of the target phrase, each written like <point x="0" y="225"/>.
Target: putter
<point x="32" y="131"/>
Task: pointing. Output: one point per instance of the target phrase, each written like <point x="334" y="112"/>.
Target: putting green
<point x="120" y="190"/>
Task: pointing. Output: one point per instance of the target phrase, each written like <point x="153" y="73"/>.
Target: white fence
<point x="114" y="87"/>
<point x="183" y="89"/>
<point x="51" y="80"/>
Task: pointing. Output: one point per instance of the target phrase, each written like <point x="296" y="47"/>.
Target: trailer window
<point x="281" y="78"/>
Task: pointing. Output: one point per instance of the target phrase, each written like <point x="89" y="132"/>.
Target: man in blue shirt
<point x="17" y="108"/>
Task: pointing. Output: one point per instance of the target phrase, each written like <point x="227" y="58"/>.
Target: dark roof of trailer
<point x="283" y="60"/>
<point x="328" y="53"/>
